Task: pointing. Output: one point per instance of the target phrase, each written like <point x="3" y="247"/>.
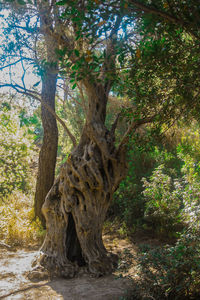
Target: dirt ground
<point x="14" y="283"/>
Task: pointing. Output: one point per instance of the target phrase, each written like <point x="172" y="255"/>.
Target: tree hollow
<point x="72" y="244"/>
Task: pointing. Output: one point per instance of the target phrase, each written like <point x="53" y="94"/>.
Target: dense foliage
<point x="161" y="197"/>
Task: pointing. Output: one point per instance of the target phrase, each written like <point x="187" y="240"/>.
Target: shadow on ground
<point x="15" y="285"/>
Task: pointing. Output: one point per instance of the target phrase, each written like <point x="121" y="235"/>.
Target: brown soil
<point x="122" y="284"/>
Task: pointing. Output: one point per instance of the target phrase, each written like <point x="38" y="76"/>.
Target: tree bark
<point x="76" y="206"/>
<point x="48" y="152"/>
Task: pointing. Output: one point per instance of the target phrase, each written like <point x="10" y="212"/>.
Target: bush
<point x="16" y="154"/>
<point x="173" y="272"/>
<point x="128" y="202"/>
<point x="163" y="201"/>
<point x="145" y="153"/>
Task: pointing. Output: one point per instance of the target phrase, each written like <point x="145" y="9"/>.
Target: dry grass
<point x="17" y="224"/>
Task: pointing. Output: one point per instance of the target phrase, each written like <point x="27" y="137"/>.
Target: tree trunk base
<point x="45" y="267"/>
<point x="75" y="209"/>
<point x="55" y="268"/>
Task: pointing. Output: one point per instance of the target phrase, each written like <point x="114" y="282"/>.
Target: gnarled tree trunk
<point x="76" y="206"/>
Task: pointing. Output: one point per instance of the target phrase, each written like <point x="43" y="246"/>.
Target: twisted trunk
<point x="76" y="206"/>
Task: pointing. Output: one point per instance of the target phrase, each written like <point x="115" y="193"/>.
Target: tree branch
<point x="114" y="125"/>
<point x="134" y="125"/>
<point x="36" y="95"/>
<point x="110" y="59"/>
<point x="11" y="64"/>
<point x="22" y="58"/>
<point x="164" y="15"/>
<point x="82" y="97"/>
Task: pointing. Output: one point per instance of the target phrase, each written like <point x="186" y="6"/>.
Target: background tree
<point x="48" y="152"/>
<point x="27" y="43"/>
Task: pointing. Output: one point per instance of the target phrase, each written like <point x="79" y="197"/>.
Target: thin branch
<point x="11" y="64"/>
<point x="22" y="58"/>
<point x="76" y="101"/>
<point x="156" y="11"/>
<point x="82" y="97"/>
<point x="114" y="125"/>
<point x="19" y="88"/>
<point x="69" y="94"/>
<point x="72" y="137"/>
<point x="24" y="72"/>
<point x="28" y="29"/>
<point x="34" y="95"/>
<point x="134" y="125"/>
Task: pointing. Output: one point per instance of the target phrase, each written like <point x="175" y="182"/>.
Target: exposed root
<point x="48" y="267"/>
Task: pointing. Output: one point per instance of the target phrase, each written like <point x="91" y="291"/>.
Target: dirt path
<point x="15" y="285"/>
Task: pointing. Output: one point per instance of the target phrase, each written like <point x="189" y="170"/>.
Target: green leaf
<point x="75" y="67"/>
<point x="72" y="75"/>
<point x="76" y="52"/>
<point x="61" y="3"/>
<point x="73" y="87"/>
<point x="69" y="53"/>
<point x="36" y="84"/>
<point x="21" y="2"/>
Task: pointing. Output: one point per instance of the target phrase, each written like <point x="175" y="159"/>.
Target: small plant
<point x="17" y="154"/>
<point x="163" y="201"/>
<point x="123" y="230"/>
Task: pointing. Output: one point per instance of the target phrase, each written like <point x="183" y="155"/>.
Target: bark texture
<point x="76" y="206"/>
<point x="48" y="152"/>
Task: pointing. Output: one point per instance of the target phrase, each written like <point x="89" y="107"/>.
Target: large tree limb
<point x="110" y="62"/>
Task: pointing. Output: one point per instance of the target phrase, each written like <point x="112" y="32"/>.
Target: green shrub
<point x="17" y="154"/>
<point x="163" y="201"/>
<point x="145" y="153"/>
<point x="173" y="272"/>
